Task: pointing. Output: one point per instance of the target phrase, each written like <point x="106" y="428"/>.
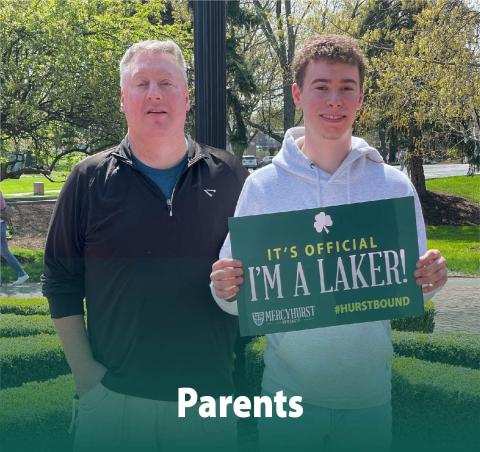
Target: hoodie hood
<point x="292" y="159"/>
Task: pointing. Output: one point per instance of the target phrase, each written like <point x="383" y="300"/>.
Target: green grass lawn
<point x="13" y="188"/>
<point x="464" y="186"/>
<point x="32" y="262"/>
<point x="24" y="306"/>
<point x="459" y="244"/>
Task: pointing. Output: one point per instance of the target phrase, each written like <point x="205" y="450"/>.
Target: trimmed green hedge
<point x="435" y="406"/>
<point x="24" y="306"/>
<point x="423" y="324"/>
<point x="36" y="416"/>
<point x="453" y="384"/>
<point x="41" y="357"/>
<point x="449" y="348"/>
<point x="31" y="358"/>
<point x="455" y="379"/>
<point x="254" y="364"/>
<point x="12" y="325"/>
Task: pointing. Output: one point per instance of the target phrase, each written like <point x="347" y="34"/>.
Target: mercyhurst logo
<point x="283" y="316"/>
<point x="258" y="318"/>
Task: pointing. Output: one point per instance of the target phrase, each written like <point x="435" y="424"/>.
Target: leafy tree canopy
<point x="59" y="72"/>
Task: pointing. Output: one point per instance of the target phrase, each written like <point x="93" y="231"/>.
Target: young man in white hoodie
<point x="342" y="372"/>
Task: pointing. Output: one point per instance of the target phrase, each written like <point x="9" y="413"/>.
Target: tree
<point x="59" y="73"/>
<point x="428" y="82"/>
<point x="241" y="86"/>
<point x="267" y="43"/>
<point x="279" y="30"/>
<point x="422" y="84"/>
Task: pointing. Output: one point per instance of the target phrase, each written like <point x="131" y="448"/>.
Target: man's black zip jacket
<point x="142" y="263"/>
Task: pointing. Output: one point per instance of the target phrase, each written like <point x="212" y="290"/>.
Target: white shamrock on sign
<point x="322" y="221"/>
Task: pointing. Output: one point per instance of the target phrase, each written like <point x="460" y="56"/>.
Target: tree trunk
<point x="383" y="143"/>
<point x="289" y="52"/>
<point x="239" y="148"/>
<point x="392" y="146"/>
<point x="417" y="176"/>
<point x="288" y="105"/>
<point x="415" y="159"/>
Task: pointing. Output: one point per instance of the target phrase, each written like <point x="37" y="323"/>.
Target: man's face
<point x="330" y="97"/>
<point x="154" y="96"/>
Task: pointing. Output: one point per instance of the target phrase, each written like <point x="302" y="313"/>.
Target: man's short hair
<point x="331" y="48"/>
<point x="152" y="46"/>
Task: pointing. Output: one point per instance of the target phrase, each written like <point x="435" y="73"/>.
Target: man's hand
<point x="227" y="277"/>
<point x="90" y="377"/>
<point x="431" y="271"/>
<point x="86" y="371"/>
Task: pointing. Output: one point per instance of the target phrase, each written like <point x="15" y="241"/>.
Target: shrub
<point x="24" y="306"/>
<point x="27" y="256"/>
<point x="449" y="348"/>
<point x="254" y="364"/>
<point x="31" y="358"/>
<point x="12" y="325"/>
<point x="36" y="416"/>
<point x="424" y="323"/>
<point x="435" y="406"/>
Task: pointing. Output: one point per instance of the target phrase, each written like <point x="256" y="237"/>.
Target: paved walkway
<point x="443" y="170"/>
<point x="457" y="305"/>
<point x="27" y="290"/>
<point x="30" y="194"/>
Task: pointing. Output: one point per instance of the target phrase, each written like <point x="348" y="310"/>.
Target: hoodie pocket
<point x="337" y="361"/>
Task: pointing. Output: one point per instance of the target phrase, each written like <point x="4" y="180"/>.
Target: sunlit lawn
<point x="459" y="244"/>
<point x="24" y="185"/>
<point x="464" y="186"/>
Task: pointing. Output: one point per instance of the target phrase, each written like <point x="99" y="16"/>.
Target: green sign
<point x="327" y="266"/>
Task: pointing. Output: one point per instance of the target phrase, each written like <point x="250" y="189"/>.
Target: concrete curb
<point x="31" y="199"/>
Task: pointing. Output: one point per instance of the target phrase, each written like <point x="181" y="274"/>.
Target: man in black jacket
<point x="134" y="233"/>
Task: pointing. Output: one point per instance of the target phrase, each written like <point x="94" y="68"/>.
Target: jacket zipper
<point x="170" y="200"/>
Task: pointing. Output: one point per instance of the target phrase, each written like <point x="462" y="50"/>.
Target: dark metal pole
<point x="210" y="73"/>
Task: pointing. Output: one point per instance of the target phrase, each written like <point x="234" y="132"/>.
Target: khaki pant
<point x="109" y="421"/>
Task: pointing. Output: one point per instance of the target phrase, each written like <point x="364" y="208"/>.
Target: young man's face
<point x="330" y="97"/>
<point x="154" y="96"/>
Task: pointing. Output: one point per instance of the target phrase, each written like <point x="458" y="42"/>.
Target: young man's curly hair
<point x="332" y="48"/>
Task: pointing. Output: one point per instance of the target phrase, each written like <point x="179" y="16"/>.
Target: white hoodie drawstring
<point x="317" y="176"/>
<point x="349" y="199"/>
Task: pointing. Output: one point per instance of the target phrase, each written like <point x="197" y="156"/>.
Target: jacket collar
<point x="195" y="151"/>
